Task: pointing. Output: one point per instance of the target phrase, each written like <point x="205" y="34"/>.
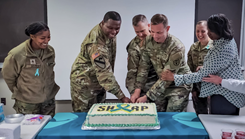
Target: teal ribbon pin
<point x="37" y="72"/>
<point x="207" y="46"/>
<point x="120" y="107"/>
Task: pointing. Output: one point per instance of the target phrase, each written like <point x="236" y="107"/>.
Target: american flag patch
<point x="95" y="55"/>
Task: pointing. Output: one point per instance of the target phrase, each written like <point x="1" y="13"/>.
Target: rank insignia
<point x="32" y="61"/>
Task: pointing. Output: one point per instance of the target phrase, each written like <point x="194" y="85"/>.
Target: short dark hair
<point x="35" y="28"/>
<point x="112" y="15"/>
<point x="159" y="18"/>
<point x="136" y="19"/>
<point x="220" y="25"/>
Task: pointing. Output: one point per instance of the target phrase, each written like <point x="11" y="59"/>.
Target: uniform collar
<point x="207" y="47"/>
<point x="30" y="52"/>
<point x="137" y="40"/>
<point x="210" y="44"/>
<point x="165" y="42"/>
<point x="103" y="36"/>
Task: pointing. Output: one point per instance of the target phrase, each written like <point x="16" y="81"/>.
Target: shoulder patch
<point x="95" y="55"/>
<point x="176" y="62"/>
<point x="100" y="61"/>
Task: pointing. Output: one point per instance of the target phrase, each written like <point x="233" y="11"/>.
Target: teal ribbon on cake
<point x="120" y="107"/>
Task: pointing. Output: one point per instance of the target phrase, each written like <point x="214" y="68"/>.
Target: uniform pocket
<point x="29" y="72"/>
<point x="51" y="64"/>
<point x="49" y="71"/>
<point x="31" y="92"/>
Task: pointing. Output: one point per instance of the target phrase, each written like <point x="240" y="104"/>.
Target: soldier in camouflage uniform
<point x="134" y="48"/>
<point x="164" y="51"/>
<point x="196" y="55"/>
<point x="28" y="72"/>
<point x="92" y="72"/>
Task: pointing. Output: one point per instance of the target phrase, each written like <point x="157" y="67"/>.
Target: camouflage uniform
<point x="45" y="108"/>
<point x="29" y="75"/>
<point x="134" y="49"/>
<point x="196" y="56"/>
<point x="92" y="72"/>
<point x="168" y="55"/>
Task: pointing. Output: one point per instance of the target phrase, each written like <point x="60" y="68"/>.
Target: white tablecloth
<point x="214" y="123"/>
<point x="30" y="131"/>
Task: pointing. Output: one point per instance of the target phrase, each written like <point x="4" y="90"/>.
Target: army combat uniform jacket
<point x="93" y="67"/>
<point x="168" y="55"/>
<point x="134" y="50"/>
<point x="196" y="56"/>
<point x="29" y="77"/>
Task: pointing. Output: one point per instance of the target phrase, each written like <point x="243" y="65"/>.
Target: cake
<point x="122" y="115"/>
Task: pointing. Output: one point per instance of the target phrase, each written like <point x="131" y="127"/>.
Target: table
<point x="30" y="131"/>
<point x="214" y="123"/>
<point x="184" y="125"/>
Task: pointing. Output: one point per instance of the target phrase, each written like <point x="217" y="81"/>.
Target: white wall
<point x="70" y="22"/>
<point x="242" y="39"/>
<point x="5" y="93"/>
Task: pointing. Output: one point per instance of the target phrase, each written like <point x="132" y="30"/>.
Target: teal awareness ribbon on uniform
<point x="207" y="46"/>
<point x="120" y="107"/>
<point x="37" y="72"/>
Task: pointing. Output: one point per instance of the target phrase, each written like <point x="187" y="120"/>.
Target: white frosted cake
<point x="122" y="115"/>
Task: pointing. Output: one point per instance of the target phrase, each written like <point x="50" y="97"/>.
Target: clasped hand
<point x="167" y="75"/>
<point x="135" y="97"/>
